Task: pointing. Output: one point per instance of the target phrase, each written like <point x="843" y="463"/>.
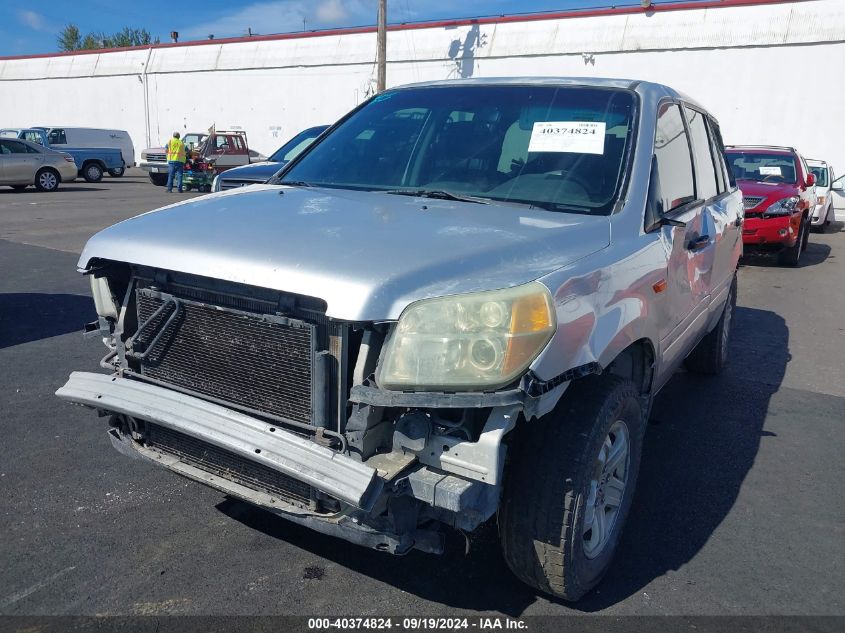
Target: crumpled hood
<point x="367" y="254"/>
<point x="771" y="192"/>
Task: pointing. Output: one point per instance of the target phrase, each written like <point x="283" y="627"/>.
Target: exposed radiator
<point x="262" y="362"/>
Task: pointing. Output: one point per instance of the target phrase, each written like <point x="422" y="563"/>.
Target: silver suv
<point x="460" y="301"/>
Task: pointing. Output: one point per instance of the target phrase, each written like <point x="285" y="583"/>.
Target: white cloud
<point x="279" y="16"/>
<point x="331" y="11"/>
<point x="32" y="19"/>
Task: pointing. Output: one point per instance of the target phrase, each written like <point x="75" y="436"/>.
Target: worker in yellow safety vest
<point x="175" y="162"/>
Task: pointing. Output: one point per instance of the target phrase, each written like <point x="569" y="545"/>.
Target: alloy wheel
<point x="48" y="180"/>
<point x="606" y="490"/>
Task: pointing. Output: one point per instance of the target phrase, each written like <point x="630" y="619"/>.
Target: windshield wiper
<point x="558" y="207"/>
<point x="295" y="183"/>
<point x="438" y="194"/>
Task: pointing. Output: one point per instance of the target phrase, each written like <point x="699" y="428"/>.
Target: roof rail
<point x="783" y="147"/>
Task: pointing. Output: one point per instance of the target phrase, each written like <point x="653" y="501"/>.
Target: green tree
<point x="69" y="39"/>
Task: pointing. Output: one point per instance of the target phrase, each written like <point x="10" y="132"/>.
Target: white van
<point x="93" y="137"/>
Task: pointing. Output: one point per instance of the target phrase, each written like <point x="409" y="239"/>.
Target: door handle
<point x="699" y="243"/>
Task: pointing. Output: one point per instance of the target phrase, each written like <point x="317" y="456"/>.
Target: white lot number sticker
<point x="578" y="137"/>
<point x="768" y="170"/>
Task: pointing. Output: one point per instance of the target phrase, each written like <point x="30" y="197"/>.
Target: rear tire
<point x="47" y="179"/>
<point x="557" y="523"/>
<point x="711" y="354"/>
<point x="92" y="172"/>
<point x="117" y="173"/>
<point x="159" y="180"/>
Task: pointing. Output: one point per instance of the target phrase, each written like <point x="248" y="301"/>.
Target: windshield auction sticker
<point x="770" y="170"/>
<point x="577" y="137"/>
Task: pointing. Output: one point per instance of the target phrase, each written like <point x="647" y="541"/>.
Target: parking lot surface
<point x="738" y="507"/>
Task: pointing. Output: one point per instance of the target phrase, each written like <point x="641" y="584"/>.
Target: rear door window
<point x="705" y="173"/>
<point x="13" y="147"/>
<point x="674" y="163"/>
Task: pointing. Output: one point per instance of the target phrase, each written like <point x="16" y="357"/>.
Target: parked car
<point x="459" y="301"/>
<point x="778" y="194"/>
<point x="23" y="163"/>
<point x="260" y="172"/>
<point x="225" y="149"/>
<point x="837" y="194"/>
<point x="59" y="137"/>
<point x="823" y="212"/>
<point x="90" y="162"/>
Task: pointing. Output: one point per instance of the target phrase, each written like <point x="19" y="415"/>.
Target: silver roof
<point x="644" y="88"/>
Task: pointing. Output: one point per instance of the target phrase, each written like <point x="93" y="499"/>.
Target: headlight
<point x="467" y="342"/>
<point x="820" y="200"/>
<point x="103" y="301"/>
<point x="786" y="206"/>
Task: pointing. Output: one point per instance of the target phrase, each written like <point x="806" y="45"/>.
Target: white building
<point x="770" y="70"/>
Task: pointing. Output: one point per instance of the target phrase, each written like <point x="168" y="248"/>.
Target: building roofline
<point x="679" y="5"/>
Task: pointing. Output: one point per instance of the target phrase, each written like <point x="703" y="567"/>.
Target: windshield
<point x="821" y="175"/>
<point x="560" y="148"/>
<point x="774" y="168"/>
<point x="293" y="147"/>
<point x="194" y="140"/>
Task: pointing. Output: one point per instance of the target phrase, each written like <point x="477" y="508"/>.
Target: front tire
<point x="47" y="179"/>
<point x="92" y="172"/>
<point x="159" y="180"/>
<point x="118" y="172"/>
<point x="711" y="354"/>
<point x="570" y="485"/>
<point x="806" y="236"/>
<point x="791" y="255"/>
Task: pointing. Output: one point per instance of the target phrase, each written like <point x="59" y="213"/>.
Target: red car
<point x="778" y="193"/>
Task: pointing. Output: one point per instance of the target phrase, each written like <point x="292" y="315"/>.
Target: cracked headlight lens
<point x="467" y="342"/>
<point x="785" y="206"/>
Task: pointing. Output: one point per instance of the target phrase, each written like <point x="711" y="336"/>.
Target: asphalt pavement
<point x="738" y="509"/>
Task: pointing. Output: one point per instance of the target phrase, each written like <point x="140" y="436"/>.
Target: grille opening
<point x="231" y="466"/>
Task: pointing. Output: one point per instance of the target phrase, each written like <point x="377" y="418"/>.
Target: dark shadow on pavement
<point x="703" y="438"/>
<point x="702" y="441"/>
<point x="26" y="317"/>
<point x="813" y="255"/>
<point x="61" y="188"/>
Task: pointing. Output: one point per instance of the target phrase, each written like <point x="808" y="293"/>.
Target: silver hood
<point x="367" y="254"/>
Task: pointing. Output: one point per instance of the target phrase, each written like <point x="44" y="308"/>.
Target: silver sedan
<point x="23" y="163"/>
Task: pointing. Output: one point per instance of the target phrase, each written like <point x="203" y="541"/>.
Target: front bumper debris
<point x="335" y="474"/>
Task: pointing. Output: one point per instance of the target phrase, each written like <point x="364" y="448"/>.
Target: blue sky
<point x="28" y="27"/>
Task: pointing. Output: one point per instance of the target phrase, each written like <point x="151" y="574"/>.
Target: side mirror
<point x="838" y="185"/>
<point x="811" y="179"/>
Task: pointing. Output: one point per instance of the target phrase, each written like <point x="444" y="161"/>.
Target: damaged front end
<point x="259" y="394"/>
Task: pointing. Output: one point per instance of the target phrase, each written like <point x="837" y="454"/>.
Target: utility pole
<point x="381" y="46"/>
